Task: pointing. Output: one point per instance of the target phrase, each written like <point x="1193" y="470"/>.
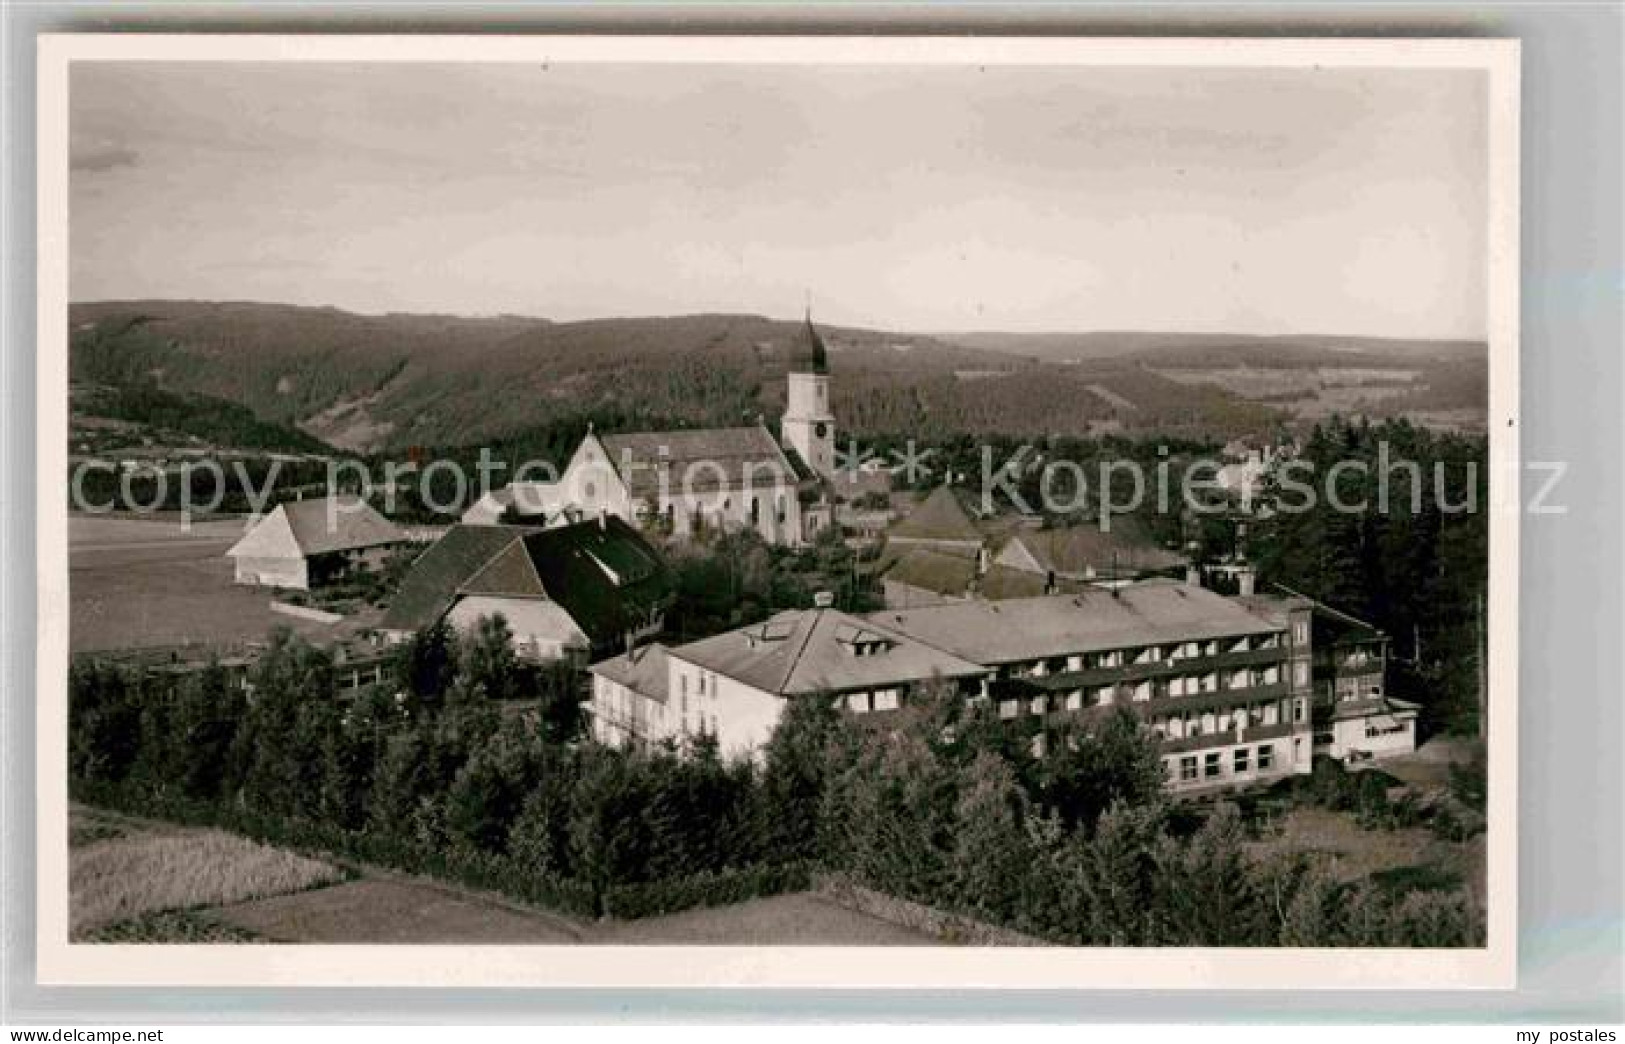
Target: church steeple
<point x="809" y="426"/>
<point x="807" y="354"/>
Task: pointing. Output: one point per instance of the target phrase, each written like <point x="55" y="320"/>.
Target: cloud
<point x="95" y="157"/>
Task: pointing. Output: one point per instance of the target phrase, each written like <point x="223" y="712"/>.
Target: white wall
<point x="541" y="628"/>
<point x="1350" y="736"/>
<point x="741" y="717"/>
<point x="290" y="573"/>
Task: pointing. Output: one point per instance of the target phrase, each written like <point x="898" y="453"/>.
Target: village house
<point x="567" y="593"/>
<point x="688" y="482"/>
<point x="302" y="544"/>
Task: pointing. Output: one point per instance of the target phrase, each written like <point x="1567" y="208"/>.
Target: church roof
<point x="698" y="459"/>
<point x="807" y="354"/>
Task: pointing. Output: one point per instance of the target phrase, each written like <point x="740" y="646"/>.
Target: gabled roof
<point x="1087" y="549"/>
<point x="601" y="572"/>
<point x="941" y="518"/>
<point x="807" y="651"/>
<point x="340" y="523"/>
<point x="319" y="526"/>
<point x="643" y="670"/>
<point x="699" y="459"/>
<point x="1145" y="613"/>
<point x="436" y="580"/>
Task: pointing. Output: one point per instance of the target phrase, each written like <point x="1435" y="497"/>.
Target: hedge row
<point x="633" y="901"/>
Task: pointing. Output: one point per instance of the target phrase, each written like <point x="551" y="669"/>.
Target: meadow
<point x="133" y="880"/>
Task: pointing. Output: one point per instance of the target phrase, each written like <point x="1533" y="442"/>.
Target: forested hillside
<point x="389" y="382"/>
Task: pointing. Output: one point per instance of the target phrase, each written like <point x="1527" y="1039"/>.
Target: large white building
<point x="694" y="480"/>
<point x="1228" y="685"/>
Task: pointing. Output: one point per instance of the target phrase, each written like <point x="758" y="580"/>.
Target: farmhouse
<point x="304" y="543"/>
<point x="691" y="481"/>
<point x="566" y="593"/>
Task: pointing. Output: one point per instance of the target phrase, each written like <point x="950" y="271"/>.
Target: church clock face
<point x="821" y="429"/>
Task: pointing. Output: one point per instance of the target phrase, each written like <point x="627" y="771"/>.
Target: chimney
<point x="1193" y="575"/>
<point x="982" y="561"/>
<point x="824" y="600"/>
<point x="1246" y="581"/>
<point x="603" y="518"/>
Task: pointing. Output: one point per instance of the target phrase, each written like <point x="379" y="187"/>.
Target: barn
<point x="305" y="543"/>
<point x="566" y="593"/>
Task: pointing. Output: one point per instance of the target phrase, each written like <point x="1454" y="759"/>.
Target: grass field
<point x="136" y="583"/>
<point x="139" y="881"/>
<point x="140" y="869"/>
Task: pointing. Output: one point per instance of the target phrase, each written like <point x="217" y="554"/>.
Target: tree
<point x="991" y="854"/>
<point x="1212" y="898"/>
<point x="487" y="666"/>
<point x="1117" y="762"/>
<point x="428" y="666"/>
<point x="798" y="764"/>
<point x="208" y="709"/>
<point x="1122" y="876"/>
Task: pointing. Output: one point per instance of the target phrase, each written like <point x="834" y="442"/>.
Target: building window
<point x="1241" y="760"/>
<point x="1211" y="768"/>
<point x="1297" y="711"/>
<point x="1039" y="705"/>
<point x="1142" y="692"/>
<point x="1187" y="768"/>
<point x="886" y="699"/>
<point x="1074" y="700"/>
<point x="1300" y="673"/>
<point x="857" y="702"/>
<point x="1266" y="756"/>
<point x="1009" y="709"/>
<point x="1300" y="633"/>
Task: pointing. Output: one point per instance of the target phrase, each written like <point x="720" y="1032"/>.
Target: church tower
<point x="809" y="426"/>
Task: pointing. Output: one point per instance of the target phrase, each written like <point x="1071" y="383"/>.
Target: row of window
<point x="1146" y="655"/>
<point x="864" y="702"/>
<point x="1243" y="761"/>
<point x="1189" y="726"/>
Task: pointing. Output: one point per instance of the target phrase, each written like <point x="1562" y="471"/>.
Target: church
<point x="692" y="481"/>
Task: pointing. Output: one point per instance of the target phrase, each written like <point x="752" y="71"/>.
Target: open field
<point x="1410" y="858"/>
<point x="137" y="880"/>
<point x="146" y="869"/>
<point x="138" y="583"/>
<point x="800" y="919"/>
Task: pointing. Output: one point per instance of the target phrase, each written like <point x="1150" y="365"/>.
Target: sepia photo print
<point x="672" y="511"/>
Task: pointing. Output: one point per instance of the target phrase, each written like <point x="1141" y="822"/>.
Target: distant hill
<point x="1214" y="349"/>
<point x="389" y="382"/>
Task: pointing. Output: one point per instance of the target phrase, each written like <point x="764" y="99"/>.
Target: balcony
<point x="1227" y="738"/>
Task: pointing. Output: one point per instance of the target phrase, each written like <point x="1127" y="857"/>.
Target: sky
<point x="904" y="198"/>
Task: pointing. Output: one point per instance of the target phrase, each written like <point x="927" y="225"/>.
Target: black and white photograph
<point x="595" y="501"/>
